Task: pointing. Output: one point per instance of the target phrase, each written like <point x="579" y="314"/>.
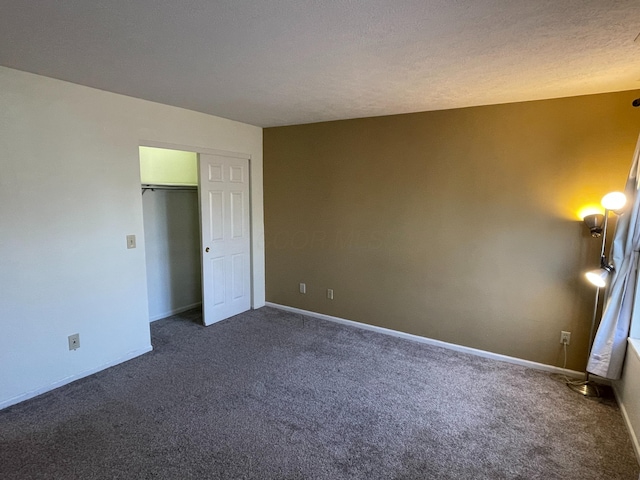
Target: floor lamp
<point x="597" y="224"/>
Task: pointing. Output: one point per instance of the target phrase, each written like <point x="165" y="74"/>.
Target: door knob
<point x="206" y="249"/>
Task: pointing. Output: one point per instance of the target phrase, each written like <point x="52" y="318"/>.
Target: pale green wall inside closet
<point x="168" y="167"/>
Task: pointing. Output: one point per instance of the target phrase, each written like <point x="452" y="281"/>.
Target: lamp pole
<point x="595" y="307"/>
<point x="613" y="201"/>
<point x="589" y="388"/>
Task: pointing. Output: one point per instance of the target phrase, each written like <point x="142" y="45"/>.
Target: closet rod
<point x="152" y="187"/>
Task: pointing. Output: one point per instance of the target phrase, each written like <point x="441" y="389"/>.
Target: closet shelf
<point x="152" y="187"/>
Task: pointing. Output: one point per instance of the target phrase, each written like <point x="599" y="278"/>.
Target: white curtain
<point x="610" y="343"/>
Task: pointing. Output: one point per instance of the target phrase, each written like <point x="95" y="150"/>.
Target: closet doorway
<point x="171" y="230"/>
<point x="197" y="224"/>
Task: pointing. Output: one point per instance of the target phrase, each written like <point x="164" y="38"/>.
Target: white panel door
<point x="226" y="236"/>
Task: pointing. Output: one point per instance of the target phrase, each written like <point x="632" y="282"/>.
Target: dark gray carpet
<point x="272" y="395"/>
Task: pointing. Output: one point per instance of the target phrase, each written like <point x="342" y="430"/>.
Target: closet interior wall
<point x="172" y="245"/>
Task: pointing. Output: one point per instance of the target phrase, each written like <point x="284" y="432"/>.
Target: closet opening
<point x="169" y="187"/>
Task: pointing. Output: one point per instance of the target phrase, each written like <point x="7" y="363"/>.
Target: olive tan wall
<point x="457" y="225"/>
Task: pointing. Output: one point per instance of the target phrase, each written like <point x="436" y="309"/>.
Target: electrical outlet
<point x="565" y="338"/>
<point x="330" y="293"/>
<point x="74" y="341"/>
<point x="303" y="288"/>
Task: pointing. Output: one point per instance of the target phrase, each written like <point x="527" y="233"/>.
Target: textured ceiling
<point x="281" y="62"/>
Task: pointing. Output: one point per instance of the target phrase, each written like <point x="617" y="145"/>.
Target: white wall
<point x="628" y="392"/>
<point x="69" y="194"/>
<point x="172" y="246"/>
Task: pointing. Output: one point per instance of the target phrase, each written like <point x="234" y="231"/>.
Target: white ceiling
<point x="282" y="62"/>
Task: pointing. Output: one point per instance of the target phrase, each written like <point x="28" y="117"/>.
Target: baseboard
<point x="438" y="343"/>
<point x="175" y="311"/>
<point x="627" y="422"/>
<point x="72" y="378"/>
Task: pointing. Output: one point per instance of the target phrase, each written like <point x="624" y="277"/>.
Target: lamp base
<point x="588" y="389"/>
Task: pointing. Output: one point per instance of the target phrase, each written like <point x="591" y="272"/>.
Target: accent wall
<point x="457" y="225"/>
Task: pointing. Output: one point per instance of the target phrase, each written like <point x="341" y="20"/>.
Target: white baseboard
<point x="159" y="316"/>
<point x="64" y="381"/>
<point x="430" y="341"/>
<point x="627" y="421"/>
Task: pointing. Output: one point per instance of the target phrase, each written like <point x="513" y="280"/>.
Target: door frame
<point x="256" y="223"/>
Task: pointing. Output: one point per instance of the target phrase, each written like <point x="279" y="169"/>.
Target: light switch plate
<point x="131" y="241"/>
<point x="74" y="341"/>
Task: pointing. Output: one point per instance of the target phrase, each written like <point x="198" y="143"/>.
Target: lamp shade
<point x="614" y="201"/>
<point x="594" y="222"/>
<point x="598" y="277"/>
